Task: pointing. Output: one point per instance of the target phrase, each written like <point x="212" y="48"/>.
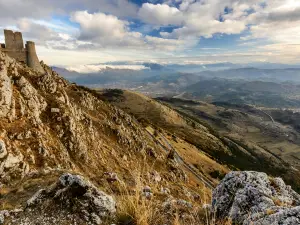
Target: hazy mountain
<point x="262" y="93"/>
<point x="251" y="73"/>
<point x="148" y="73"/>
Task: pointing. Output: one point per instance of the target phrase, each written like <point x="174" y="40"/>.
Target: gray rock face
<point x="276" y="216"/>
<point x="3" y="151"/>
<point x="75" y="191"/>
<point x="254" y="198"/>
<point x="35" y="102"/>
<point x="71" y="198"/>
<point x="6" y="92"/>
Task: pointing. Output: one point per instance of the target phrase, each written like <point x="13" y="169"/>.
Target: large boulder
<point x="255" y="198"/>
<point x="71" y="199"/>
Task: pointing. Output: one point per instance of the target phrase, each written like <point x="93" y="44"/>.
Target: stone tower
<point x="14" y="47"/>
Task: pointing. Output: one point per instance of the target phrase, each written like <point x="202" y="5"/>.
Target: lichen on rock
<point x="71" y="198"/>
<point x="250" y="197"/>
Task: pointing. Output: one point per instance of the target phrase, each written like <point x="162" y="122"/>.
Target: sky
<point x="78" y="32"/>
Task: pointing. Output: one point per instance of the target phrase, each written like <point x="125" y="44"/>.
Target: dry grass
<point x="6" y="206"/>
<point x="133" y="206"/>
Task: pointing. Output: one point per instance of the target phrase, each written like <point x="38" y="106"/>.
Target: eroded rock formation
<point x="70" y="199"/>
<point x="255" y="198"/>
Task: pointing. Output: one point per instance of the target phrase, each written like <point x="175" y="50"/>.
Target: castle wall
<point x="32" y="59"/>
<point x="14" y="48"/>
<point x="13" y="40"/>
<point x="19" y="55"/>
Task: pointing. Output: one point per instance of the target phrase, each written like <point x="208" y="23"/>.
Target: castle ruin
<point x="14" y="47"/>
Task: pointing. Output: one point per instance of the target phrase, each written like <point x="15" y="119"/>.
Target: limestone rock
<point x="276" y="216"/>
<point x="3" y="151"/>
<point x="48" y="84"/>
<point x="111" y="177"/>
<point x="55" y="110"/>
<point x="6" y="92"/>
<point x="35" y="102"/>
<point x="147" y="192"/>
<point x="254" y="198"/>
<point x="71" y="198"/>
<point x="72" y="188"/>
<point x="3" y="214"/>
<point x="11" y="161"/>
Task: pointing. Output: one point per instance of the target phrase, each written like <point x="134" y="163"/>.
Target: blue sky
<point x="77" y="32"/>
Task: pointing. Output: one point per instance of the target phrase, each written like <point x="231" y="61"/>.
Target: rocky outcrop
<point x="35" y="102"/>
<point x="6" y="90"/>
<point x="71" y="198"/>
<point x="256" y="199"/>
<point x="3" y="151"/>
<point x="69" y="125"/>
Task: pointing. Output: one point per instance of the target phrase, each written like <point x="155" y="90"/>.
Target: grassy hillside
<point x="231" y="137"/>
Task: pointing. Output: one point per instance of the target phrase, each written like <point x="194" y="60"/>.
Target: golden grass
<point x="133" y="207"/>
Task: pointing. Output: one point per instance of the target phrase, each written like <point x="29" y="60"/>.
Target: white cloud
<point x="197" y="18"/>
<point x="98" y="68"/>
<point x="195" y="29"/>
<point x="12" y="10"/>
<point x="278" y="22"/>
<point x="36" y="31"/>
<point x="160" y="14"/>
<point x="103" y="31"/>
<point x="97" y="27"/>
<point x="106" y="27"/>
<point x="168" y="44"/>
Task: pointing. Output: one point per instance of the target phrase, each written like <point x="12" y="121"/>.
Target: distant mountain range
<point x="260" y="93"/>
<point x="195" y="80"/>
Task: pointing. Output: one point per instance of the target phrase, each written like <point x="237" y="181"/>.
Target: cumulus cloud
<point x="97" y="29"/>
<point x="105" y="30"/>
<point x="36" y="31"/>
<point x="18" y="8"/>
<point x="197" y="18"/>
<point x="116" y="24"/>
<point x="207" y="29"/>
<point x="275" y="20"/>
<point x="290" y="14"/>
<point x="160" y="14"/>
<point x="13" y="10"/>
<point x="43" y="35"/>
<point x="98" y="25"/>
<point x="278" y="22"/>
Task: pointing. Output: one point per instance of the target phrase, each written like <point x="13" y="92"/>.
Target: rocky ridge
<point x="48" y="123"/>
<point x="255" y="198"/>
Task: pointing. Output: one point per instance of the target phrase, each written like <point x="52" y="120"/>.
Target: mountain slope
<point x="49" y="127"/>
<point x="213" y="131"/>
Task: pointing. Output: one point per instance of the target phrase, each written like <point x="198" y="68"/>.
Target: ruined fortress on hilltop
<point x="14" y="47"/>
